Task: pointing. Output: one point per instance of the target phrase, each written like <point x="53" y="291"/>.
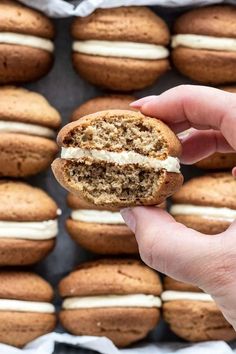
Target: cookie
<point x="26" y="43"/>
<point x="122" y="48"/>
<point x="28" y="126"/>
<point x="103" y="103"/>
<point x="28" y="223"/>
<point x="192" y="314"/>
<point x="204" y="44"/>
<point x="99" y="230"/>
<point x="118" y="299"/>
<point x="26" y="311"/>
<point x="219" y="160"/>
<point x="207" y="203"/>
<point x="119" y="158"/>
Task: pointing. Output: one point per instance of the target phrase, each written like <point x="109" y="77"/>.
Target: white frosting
<point x="26" y="306"/>
<point x="26" y="128"/>
<point x="97" y="216"/>
<point x="204" y="42"/>
<point x="170" y="164"/>
<point x="224" y="214"/>
<point x="29" y="230"/>
<point x="170" y="295"/>
<point x="27" y="40"/>
<point x="121" y="49"/>
<point x="133" y="300"/>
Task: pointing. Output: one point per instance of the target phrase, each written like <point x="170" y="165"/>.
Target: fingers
<point x="196" y="106"/>
<point x="200" y="144"/>
<point x="170" y="247"/>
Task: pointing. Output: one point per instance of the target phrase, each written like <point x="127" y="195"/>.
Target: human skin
<point x="208" y="262"/>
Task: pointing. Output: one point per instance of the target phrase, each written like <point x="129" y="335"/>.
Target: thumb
<point x="171" y="247"/>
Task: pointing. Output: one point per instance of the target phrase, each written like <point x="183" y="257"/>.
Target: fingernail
<point x="234" y="172"/>
<point x="129" y="218"/>
<point x="141" y="101"/>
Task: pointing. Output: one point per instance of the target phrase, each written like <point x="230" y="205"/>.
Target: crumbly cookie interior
<point x="118" y="134"/>
<point x="107" y="183"/>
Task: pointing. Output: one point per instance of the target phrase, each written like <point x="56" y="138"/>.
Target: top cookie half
<point x="119" y="158"/>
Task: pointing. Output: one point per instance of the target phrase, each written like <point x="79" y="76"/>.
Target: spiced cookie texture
<point x="28" y="223"/>
<point x="193" y="314"/>
<point x="121" y="49"/>
<point x="119" y="158"/>
<point x="219" y="160"/>
<point x="99" y="230"/>
<point x="26" y="43"/>
<point x="103" y="103"/>
<point x="207" y="203"/>
<point x="28" y="125"/>
<point x="26" y="311"/>
<point x="204" y="44"/>
<point x="118" y="299"/>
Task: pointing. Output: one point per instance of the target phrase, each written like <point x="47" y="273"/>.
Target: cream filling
<point x="121" y="49"/>
<point x="26" y="128"/>
<point x="97" y="216"/>
<point x="170" y="164"/>
<point x="133" y="300"/>
<point x="204" y="42"/>
<point x="27" y="40"/>
<point x="29" y="230"/>
<point x="170" y="295"/>
<point x="26" y="306"/>
<point x="224" y="214"/>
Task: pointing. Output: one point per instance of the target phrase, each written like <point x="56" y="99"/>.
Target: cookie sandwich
<point x="118" y="299"/>
<point x="103" y="103"/>
<point x="193" y="314"/>
<point x="204" y="44"/>
<point x="28" y="223"/>
<point x="119" y="158"/>
<point x="26" y="43"/>
<point x="207" y="203"/>
<point x="122" y="48"/>
<point x="28" y="125"/>
<point x="26" y="311"/>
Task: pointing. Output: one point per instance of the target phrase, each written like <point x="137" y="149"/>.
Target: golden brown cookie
<point x="202" y="44"/>
<point x="207" y="203"/>
<point x="192" y="314"/>
<point x="103" y="103"/>
<point x="26" y="311"/>
<point x="122" y="48"/>
<point x="119" y="158"/>
<point x="28" y="125"/>
<point x="26" y="43"/>
<point x="28" y="223"/>
<point x="118" y="299"/>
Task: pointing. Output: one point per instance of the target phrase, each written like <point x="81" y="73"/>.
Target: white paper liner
<point x="61" y="8"/>
<point x="46" y="344"/>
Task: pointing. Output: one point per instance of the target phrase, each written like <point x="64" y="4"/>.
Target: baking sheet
<point x="65" y="90"/>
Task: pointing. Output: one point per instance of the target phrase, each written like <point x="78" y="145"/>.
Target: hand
<point x="208" y="262"/>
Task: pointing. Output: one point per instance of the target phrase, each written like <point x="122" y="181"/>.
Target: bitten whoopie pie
<point x="207" y="203"/>
<point x="103" y="103"/>
<point x="192" y="314"/>
<point x="26" y="311"/>
<point x="26" y="47"/>
<point x="99" y="230"/>
<point x="122" y="48"/>
<point x="204" y="44"/>
<point x="219" y="160"/>
<point x="118" y="299"/>
<point x="28" y="126"/>
<point x="28" y="223"/>
<point x="119" y="158"/>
